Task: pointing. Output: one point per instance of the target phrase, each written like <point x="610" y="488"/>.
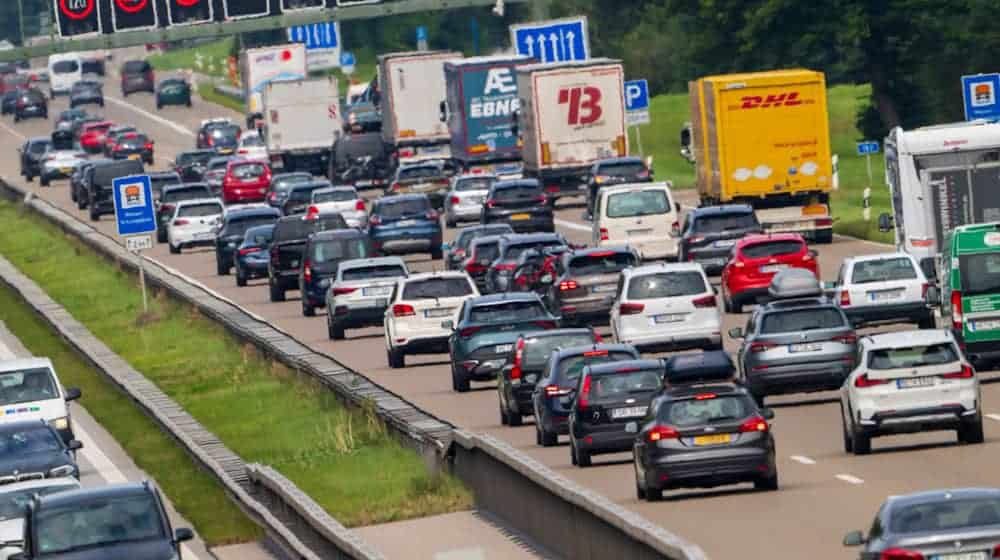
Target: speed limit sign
<point x="128" y="15"/>
<point x="77" y="17"/>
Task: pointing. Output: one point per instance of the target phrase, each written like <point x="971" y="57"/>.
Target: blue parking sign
<point x="133" y="198"/>
<point x="636" y="95"/>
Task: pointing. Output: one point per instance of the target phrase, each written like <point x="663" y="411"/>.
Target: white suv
<point x="417" y="313"/>
<point x="909" y="381"/>
<point x="666" y="306"/>
<point x="884" y="288"/>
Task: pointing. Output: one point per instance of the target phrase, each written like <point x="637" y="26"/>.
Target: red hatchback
<point x="245" y="181"/>
<point x="92" y="135"/>
<point x="755" y="260"/>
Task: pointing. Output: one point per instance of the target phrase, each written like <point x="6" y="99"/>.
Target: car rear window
<point x="433" y="288"/>
<point x="39" y="147"/>
<point x="914" y="356"/>
<point x="27" y="385"/>
<point x="620" y="384"/>
<point x="66" y="67"/>
<point x="137" y="141"/>
<point x="604" y="262"/>
<point x="342" y="195"/>
<point x="371" y="272"/>
<point x="135" y="67"/>
<point x="340" y="249"/>
<point x="475" y="184"/>
<point x="518" y="192"/>
<point x="248" y="171"/>
<point x="410" y="173"/>
<point x="252" y="141"/>
<point x="704" y="410"/>
<point x="799" y="320"/>
<point x="199" y="210"/>
<point x="718" y="223"/>
<point x="288" y="181"/>
<point x="640" y="203"/>
<point x="883" y="270"/>
<point x="571" y="367"/>
<point x="514" y="251"/>
<point x="400" y="208"/>
<point x="187" y="193"/>
<point x="945" y="515"/>
<point x="238" y="225"/>
<point x="537" y="350"/>
<point x="185" y="158"/>
<point x="772" y="249"/>
<point x="666" y="284"/>
<point x="623" y="169"/>
<point x="508" y="312"/>
<point x="259" y="236"/>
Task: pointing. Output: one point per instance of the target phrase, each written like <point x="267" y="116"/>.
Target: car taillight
<point x="901" y="554"/>
<point x="553" y="391"/>
<point x="167" y="208"/>
<point x="312" y="213"/>
<point x="181" y="222"/>
<point x="696" y="239"/>
<point x="402" y="310"/>
<point x="996" y="551"/>
<point x="515" y="372"/>
<point x="642" y="174"/>
<point x="660" y="433"/>
<point x="604" y="234"/>
<point x="552" y="189"/>
<point x="432" y="215"/>
<point x="149" y="145"/>
<point x="845" y="338"/>
<point x="454" y="200"/>
<point x="396" y="186"/>
<point x="547" y="325"/>
<point x="118" y="148"/>
<point x="756" y="347"/>
<point x="862" y="381"/>
<point x="631" y="308"/>
<point x="957" y="317"/>
<point x="845" y="298"/>
<point x="966" y="373"/>
<point x="567" y="285"/>
<point x="469" y="331"/>
<point x="250" y="250"/>
<point x="375" y="220"/>
<point x="343" y="291"/>
<point x="755" y="424"/>
<point x="210" y="141"/>
<point x="583" y="399"/>
<point x="675" y="229"/>
<point x="359" y="205"/>
<point x="273" y="197"/>
<point x="275" y="260"/>
<point x="307" y="274"/>
<point x="505" y="267"/>
<point x="703" y="302"/>
<point x="824" y="222"/>
<point x="242" y="151"/>
<point x="540" y="198"/>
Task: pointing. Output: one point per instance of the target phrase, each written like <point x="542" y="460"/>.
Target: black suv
<point x="119" y="521"/>
<point x="30" y="103"/>
<point x="235" y="223"/>
<point x="519" y="203"/>
<point x="709" y="234"/>
<point x="78" y="182"/>
<point x="99" y="179"/>
<point x="137" y="75"/>
<point x="322" y="255"/>
<point x="299" y="196"/>
<point x="615" y="171"/>
<point x="32" y="152"/>
<point x="86" y="92"/>
<point x="287" y="246"/>
<point x="703" y="431"/>
<point x="169" y="197"/>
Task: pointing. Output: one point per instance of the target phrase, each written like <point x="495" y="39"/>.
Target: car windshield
<point x="771" y="249"/>
<point x="259" y="236"/>
<point x="601" y="262"/>
<point x="286" y="182"/>
<point x="704" y="410"/>
<point x="571" y="367"/>
<point x="12" y="504"/>
<point x="514" y="251"/>
<point x="433" y="288"/>
<point x="340" y="249"/>
<point x="301" y="193"/>
<point x="623" y="169"/>
<point x="372" y="272"/>
<point x="187" y="193"/>
<point x="980" y="273"/>
<point x="39" y="147"/>
<point x="621" y="384"/>
<point x="517" y="192"/>
<point x="66" y="67"/>
<point x="239" y="225"/>
<point x="718" y="223"/>
<point x="405" y="207"/>
<point x="103" y="521"/>
<point x="135" y="67"/>
<point x="199" y="210"/>
<point x="799" y="320"/>
<point x="172" y="84"/>
<point x="27" y="385"/>
<point x="913" y="356"/>
<point x="340" y="195"/>
<point x="508" y="312"/>
<point x="640" y="203"/>
<point x="248" y="171"/>
<point x="28" y="441"/>
<point x="945" y="515"/>
<point x="883" y="270"/>
<point x="666" y="284"/>
<point x="475" y="184"/>
<point x="537" y="350"/>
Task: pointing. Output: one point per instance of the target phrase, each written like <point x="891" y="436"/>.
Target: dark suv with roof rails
<point x="588" y="286"/>
<point x="520" y="203"/>
<point x="323" y="253"/>
<point x="709" y="234"/>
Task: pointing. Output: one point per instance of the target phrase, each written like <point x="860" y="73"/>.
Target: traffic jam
<point x="423" y="210"/>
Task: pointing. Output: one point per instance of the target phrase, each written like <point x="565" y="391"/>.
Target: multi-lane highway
<point x="824" y="492"/>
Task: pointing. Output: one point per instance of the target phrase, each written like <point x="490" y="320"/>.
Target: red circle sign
<point x="188" y="3"/>
<point x="72" y="9"/>
<point x="132" y="6"/>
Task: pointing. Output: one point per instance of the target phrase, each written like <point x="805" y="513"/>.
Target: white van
<point x="64" y="71"/>
<point x="30" y="390"/>
<point x="643" y="216"/>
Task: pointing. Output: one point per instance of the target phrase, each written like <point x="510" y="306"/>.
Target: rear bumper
<point x="604" y="439"/>
<point x="663" y="343"/>
<point x="253" y="269"/>
<point x="688" y="470"/>
<point x="356" y="317"/>
<point x="913" y="312"/>
<point x="424" y="345"/>
<point x="535" y="223"/>
<point x="747" y="296"/>
<point x="585" y="312"/>
<point x="944" y="417"/>
<point x="254" y="194"/>
<point x="798" y="378"/>
<point x="407" y="244"/>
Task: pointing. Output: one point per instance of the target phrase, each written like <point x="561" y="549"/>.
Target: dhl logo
<point x="787" y="99"/>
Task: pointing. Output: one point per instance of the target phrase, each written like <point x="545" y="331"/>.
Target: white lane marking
<point x="12" y="131"/>
<point x="147" y="114"/>
<point x="994" y="417"/>
<point x="802" y="459"/>
<point x="573" y="225"/>
<point x="5" y="352"/>
<point x="462" y="554"/>
<point x="849" y="479"/>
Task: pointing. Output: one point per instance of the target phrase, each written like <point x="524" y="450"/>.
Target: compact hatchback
<point x="709" y="234"/>
<point x="193" y="223"/>
<point x="166" y="205"/>
<point x="360" y="293"/>
<point x="92" y="136"/>
<point x="245" y="181"/>
<point x="137" y="75"/>
<point x="754" y="262"/>
<point x="173" y="91"/>
<point x="134" y="146"/>
<point x="588" y="287"/>
<point x="251" y="257"/>
<point x="465" y="201"/>
<point x="235" y="223"/>
<point x="343" y="199"/>
<point x="457" y="251"/>
<point x="30" y="103"/>
<point x="323" y="253"/>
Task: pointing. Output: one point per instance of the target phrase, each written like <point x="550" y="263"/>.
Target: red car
<point x="245" y="181"/>
<point x="755" y="260"/>
<point x="92" y="135"/>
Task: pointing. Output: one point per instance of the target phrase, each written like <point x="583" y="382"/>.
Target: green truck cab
<point x="970" y="292"/>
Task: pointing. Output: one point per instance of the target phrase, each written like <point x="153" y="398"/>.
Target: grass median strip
<point x="214" y="58"/>
<point x="197" y="496"/>
<point x="208" y="94"/>
<point x="266" y="413"/>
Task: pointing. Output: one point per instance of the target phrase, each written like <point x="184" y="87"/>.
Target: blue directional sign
<point x="865" y="148"/>
<point x="552" y="41"/>
<point x="316" y="36"/>
<point x="347" y="59"/>
<point x="421" y="33"/>
<point x="979" y="93"/>
<point x="133" y="197"/>
<point x="636" y="95"/>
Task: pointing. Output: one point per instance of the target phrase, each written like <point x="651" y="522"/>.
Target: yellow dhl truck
<point x="764" y="139"/>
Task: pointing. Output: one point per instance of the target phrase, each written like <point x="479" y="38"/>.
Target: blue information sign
<point x="133" y="197"/>
<point x="865" y="148"/>
<point x="552" y="41"/>
<point x="979" y="94"/>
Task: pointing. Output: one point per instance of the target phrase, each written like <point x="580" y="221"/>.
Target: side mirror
<point x="854" y="538"/>
<point x="73" y="394"/>
<point x="74" y="445"/>
<point x="767" y="413"/>
<point x="448" y="325"/>
<point x="183" y="534"/>
<point x="736" y="332"/>
<point x="885" y="223"/>
<point x="933" y="296"/>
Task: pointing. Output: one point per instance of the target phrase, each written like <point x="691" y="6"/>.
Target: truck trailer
<point x="301" y="121"/>
<point x="261" y="66"/>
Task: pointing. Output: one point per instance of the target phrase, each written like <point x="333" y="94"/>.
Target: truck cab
<point x="970" y="290"/>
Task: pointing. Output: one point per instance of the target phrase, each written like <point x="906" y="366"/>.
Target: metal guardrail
<point x="229" y="91"/>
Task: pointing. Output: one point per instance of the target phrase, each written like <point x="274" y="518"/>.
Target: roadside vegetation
<point x="266" y="413"/>
<point x="214" y="58"/>
<point x="208" y="94"/>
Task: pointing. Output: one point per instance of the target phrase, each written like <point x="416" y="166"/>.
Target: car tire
<point x="336" y="332"/>
<point x="159" y="105"/>
<point x="220" y="268"/>
<point x="545" y="437"/>
<point x="727" y="306"/>
<point x="459" y="381"/>
<point x="43" y="181"/>
<point x="161" y="236"/>
<point x="848" y="442"/>
<point x="29" y="177"/>
<point x="824" y="236"/>
<point x="241" y="278"/>
<point x="17" y="118"/>
<point x="276" y="293"/>
<point x="860" y="442"/>
<point x="396" y="358"/>
<point x="767" y="483"/>
<point x="515" y="419"/>
<point x="971" y="433"/>
<point x="640" y="492"/>
<point x="581" y="458"/>
<point x="175" y="250"/>
<point x="450" y="223"/>
<point x="308" y="310"/>
<point x="504" y="417"/>
<point x="189" y="103"/>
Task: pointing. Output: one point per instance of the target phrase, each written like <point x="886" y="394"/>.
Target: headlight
<point x="60" y="423"/>
<point x="65" y="470"/>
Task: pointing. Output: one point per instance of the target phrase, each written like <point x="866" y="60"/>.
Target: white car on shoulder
<point x="251" y="146"/>
<point x="30" y="390"/>
<point x="420" y="307"/>
<point x="642" y="215"/>
<point x="360" y="293"/>
<point x="909" y="381"/>
<point x="194" y="223"/>
<point x="343" y="200"/>
<point x="884" y="288"/>
<point x="667" y="306"/>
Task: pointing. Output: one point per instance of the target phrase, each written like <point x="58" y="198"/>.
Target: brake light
<point x="755" y="424"/>
<point x="957" y="317"/>
<point x="863" y="381"/>
<point x="402" y="310"/>
<point x="454" y="200"/>
<point x="359" y="205"/>
<point x="824" y="222"/>
<point x="307" y="271"/>
<point x="209" y="141"/>
<point x="631" y="308"/>
<point x="249" y="250"/>
<point x="567" y="285"/>
<point x="705" y="396"/>
<point x="396" y="186"/>
<point x="552" y="391"/>
<point x="966" y="373"/>
<point x="901" y="554"/>
<point x="761" y="346"/>
<point x="545" y="324"/>
<point x="583" y="399"/>
<point x="660" y="433"/>
<point x="181" y="222"/>
<point x="515" y="372"/>
<point x="540" y="198"/>
<point x="996" y="551"/>
<point x="312" y="213"/>
<point x="696" y="239"/>
<point x="242" y="151"/>
<point x="592" y="353"/>
<point x="343" y="291"/>
<point x="923" y="290"/>
<point x="469" y="331"/>
<point x="473" y="267"/>
<point x="552" y="189"/>
<point x="604" y="234"/>
<point x="491" y="203"/>
<point x="704" y="301"/>
<point x="845" y="298"/>
<point x="644" y="174"/>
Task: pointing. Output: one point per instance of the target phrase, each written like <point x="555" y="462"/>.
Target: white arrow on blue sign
<point x="316" y="36"/>
<point x="865" y="148"/>
<point x="636" y="95"/>
<point x="133" y="199"/>
<point x="558" y="40"/>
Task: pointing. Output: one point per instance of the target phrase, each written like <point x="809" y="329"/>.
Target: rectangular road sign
<point x="867" y="147"/>
<point x="636" y="95"/>
<point x="133" y="197"/>
<point x="979" y="95"/>
<point x="635" y="118"/>
<point x="558" y="40"/>
<point x="136" y="243"/>
<point x="322" y="41"/>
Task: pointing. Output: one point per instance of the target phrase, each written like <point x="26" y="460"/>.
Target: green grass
<point x="207" y="92"/>
<point x="214" y="55"/>
<point x="668" y="113"/>
<point x="195" y="494"/>
<point x="266" y="413"/>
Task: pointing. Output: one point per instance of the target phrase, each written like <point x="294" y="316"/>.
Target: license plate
<point x="503" y="348"/>
<point x="66" y="169"/>
<point x="638" y="232"/>
<point x="885" y="295"/>
<point x="203" y="236"/>
<point x="520" y="217"/>
<point x="985" y="325"/>
<point x="772" y="268"/>
<point x="805" y="347"/>
<point x="669" y="318"/>
<point x="628" y="412"/>
<point x="714" y="439"/>
<point x="134" y="156"/>
<point x="382" y="302"/>
<point x="725" y="243"/>
<point x="406" y="222"/>
<point x="376" y="291"/>
<point x="606" y="288"/>
<point x="714" y="262"/>
<point x="438" y="312"/>
<point x="978" y="555"/>
<point x="915" y="382"/>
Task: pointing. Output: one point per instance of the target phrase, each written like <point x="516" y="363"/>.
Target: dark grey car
<point x="709" y="234"/>
<point x="86" y="92"/>
<point x="958" y="523"/>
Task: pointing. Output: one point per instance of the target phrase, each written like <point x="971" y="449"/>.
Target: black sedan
<point x="235" y="224"/>
<point x="86" y="92"/>
<point x="32" y="152"/>
<point x="191" y="165"/>
<point x="31" y="449"/>
<point x="30" y="103"/>
<point x="519" y="203"/>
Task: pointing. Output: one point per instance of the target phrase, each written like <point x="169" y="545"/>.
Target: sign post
<point x="980" y="96"/>
<point x="559" y="40"/>
<point x="866" y="149"/>
<point x="637" y="108"/>
<point x="136" y="219"/>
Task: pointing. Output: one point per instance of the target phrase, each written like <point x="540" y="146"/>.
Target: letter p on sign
<point x="636" y="95"/>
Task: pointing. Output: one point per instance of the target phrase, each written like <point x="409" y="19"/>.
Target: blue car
<point x="235" y="222"/>
<point x="252" y="256"/>
<point x="405" y="224"/>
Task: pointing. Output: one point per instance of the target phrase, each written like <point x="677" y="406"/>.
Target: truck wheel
<point x="277" y="294"/>
<point x="824" y="236"/>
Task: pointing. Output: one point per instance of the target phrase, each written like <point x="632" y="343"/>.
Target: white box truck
<point x="301" y="121"/>
<point x="261" y="66"/>
<point x="412" y="87"/>
<point x="572" y="114"/>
